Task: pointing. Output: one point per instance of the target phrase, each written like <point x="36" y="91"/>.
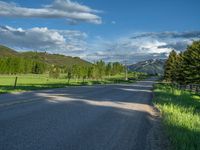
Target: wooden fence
<point x="191" y="87"/>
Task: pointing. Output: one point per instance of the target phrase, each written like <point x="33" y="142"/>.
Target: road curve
<point x="102" y="117"/>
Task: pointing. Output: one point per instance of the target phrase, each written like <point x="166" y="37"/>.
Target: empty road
<point x="101" y="117"/>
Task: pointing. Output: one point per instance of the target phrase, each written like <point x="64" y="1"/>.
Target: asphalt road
<point x="102" y="117"/>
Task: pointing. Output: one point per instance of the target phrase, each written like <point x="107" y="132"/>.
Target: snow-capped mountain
<point x="152" y="66"/>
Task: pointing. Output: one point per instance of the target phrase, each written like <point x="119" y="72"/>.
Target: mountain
<point x="152" y="66"/>
<point x="50" y="59"/>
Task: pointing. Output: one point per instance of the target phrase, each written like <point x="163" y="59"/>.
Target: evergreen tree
<point x="192" y="63"/>
<point x="170" y="67"/>
<point x="179" y="72"/>
<point x="184" y="68"/>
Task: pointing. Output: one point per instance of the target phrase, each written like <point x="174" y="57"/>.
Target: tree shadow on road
<point x="138" y="93"/>
<point x="50" y="123"/>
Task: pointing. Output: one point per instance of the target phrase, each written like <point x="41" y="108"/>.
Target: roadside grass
<point x="36" y="82"/>
<point x="181" y="116"/>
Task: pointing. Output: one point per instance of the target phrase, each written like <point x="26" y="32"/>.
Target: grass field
<point x="36" y="82"/>
<point x="181" y="116"/>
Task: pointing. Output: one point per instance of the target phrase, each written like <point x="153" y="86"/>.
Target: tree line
<point x="184" y="67"/>
<point x="19" y="65"/>
<point x="95" y="71"/>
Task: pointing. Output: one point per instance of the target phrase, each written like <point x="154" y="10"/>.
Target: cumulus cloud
<point x="44" y="39"/>
<point x="143" y="46"/>
<point x="177" y="45"/>
<point x="76" y="43"/>
<point x="58" y="9"/>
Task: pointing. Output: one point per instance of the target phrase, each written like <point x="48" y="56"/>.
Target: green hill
<point x="49" y="59"/>
<point x="7" y="52"/>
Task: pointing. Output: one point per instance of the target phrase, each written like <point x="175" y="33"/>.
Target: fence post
<point x="191" y="88"/>
<point x="15" y="82"/>
<point x="198" y="89"/>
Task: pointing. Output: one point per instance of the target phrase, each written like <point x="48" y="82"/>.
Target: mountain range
<point x="152" y="66"/>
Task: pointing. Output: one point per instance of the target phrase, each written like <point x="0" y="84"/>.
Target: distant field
<point x="34" y="82"/>
<point x="29" y="79"/>
<point x="181" y="116"/>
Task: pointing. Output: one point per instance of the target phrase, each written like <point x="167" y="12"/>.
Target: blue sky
<point x="111" y="30"/>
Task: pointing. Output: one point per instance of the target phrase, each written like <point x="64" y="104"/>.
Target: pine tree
<point x="170" y="67"/>
<point x="184" y="68"/>
<point x="179" y="72"/>
<point x="192" y="63"/>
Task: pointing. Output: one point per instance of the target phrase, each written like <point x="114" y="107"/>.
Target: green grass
<point x="36" y="82"/>
<point x="181" y="116"/>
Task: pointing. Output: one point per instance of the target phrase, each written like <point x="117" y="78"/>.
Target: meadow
<point x="180" y="115"/>
<point x="29" y="82"/>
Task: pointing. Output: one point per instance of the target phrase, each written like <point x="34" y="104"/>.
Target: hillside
<point x="152" y="66"/>
<point x="7" y="52"/>
<point x="50" y="59"/>
<point x="56" y="59"/>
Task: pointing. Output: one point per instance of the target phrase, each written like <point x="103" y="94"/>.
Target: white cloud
<point x="58" y="9"/>
<point x="154" y="47"/>
<point x="44" y="39"/>
<point x="142" y="46"/>
<point x="77" y="43"/>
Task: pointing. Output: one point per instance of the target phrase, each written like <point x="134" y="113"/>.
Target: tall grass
<point x="181" y="116"/>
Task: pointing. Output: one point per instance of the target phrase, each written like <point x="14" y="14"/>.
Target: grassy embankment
<point x="181" y="116"/>
<point x="36" y="82"/>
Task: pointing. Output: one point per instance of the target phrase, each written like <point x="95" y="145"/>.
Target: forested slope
<point x="12" y="62"/>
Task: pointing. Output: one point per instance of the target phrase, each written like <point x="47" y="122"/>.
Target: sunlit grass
<point x="42" y="81"/>
<point x="181" y="116"/>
